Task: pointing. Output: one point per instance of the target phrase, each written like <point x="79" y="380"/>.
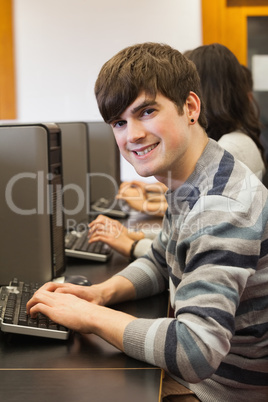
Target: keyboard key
<point x="70" y="240"/>
<point x="32" y="322"/>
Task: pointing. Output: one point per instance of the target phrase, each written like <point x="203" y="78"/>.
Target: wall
<point x="60" y="45"/>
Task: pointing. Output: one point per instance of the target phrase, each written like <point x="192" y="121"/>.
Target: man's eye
<point x="119" y="123"/>
<point x="148" y="111"/>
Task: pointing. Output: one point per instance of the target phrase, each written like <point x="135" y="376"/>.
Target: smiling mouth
<point x="145" y="151"/>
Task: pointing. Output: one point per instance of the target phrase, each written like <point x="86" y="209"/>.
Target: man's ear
<point x="192" y="107"/>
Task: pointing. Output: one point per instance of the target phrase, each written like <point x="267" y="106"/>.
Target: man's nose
<point x="136" y="132"/>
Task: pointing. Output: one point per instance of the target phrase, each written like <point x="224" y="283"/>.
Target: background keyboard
<point x="113" y="208"/>
<point x="14" y="318"/>
<point x="76" y="245"/>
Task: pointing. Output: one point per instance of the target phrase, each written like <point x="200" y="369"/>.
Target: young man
<point x="211" y="253"/>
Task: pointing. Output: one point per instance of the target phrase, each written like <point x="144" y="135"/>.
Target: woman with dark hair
<point x="232" y="117"/>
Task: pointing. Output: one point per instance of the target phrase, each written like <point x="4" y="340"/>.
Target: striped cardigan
<point x="212" y="254"/>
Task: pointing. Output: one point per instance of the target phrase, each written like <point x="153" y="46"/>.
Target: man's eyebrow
<point x="146" y="103"/>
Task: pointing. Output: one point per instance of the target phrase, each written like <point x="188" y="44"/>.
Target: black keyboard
<point x="76" y="245"/>
<point x="14" y="318"/>
<point x="113" y="208"/>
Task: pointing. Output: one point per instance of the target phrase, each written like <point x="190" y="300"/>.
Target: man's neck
<point x="174" y="179"/>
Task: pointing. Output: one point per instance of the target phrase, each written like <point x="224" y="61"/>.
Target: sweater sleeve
<point x="142" y="247"/>
<point x="149" y="272"/>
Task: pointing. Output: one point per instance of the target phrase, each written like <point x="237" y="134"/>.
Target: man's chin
<point x="144" y="173"/>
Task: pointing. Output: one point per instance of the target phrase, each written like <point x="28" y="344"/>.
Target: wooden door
<point x="242" y="26"/>
<point x="7" y="70"/>
<point x="225" y="22"/>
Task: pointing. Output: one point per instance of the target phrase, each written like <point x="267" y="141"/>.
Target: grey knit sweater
<point x="212" y="254"/>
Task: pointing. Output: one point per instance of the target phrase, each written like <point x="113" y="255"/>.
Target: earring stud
<point x="192" y="120"/>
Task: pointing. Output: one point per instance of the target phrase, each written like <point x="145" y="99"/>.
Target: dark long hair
<point x="225" y="90"/>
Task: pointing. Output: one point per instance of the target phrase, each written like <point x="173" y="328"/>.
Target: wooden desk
<point x="83" y="368"/>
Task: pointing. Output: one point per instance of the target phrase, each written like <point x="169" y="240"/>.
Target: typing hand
<point x="111" y="232"/>
<point x="133" y="193"/>
<point x="144" y="197"/>
<point x="64" y="308"/>
<point x="88" y="293"/>
<point x="63" y="304"/>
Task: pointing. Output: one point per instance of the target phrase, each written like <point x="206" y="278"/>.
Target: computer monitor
<point x="104" y="161"/>
<point x="76" y="183"/>
<point x="91" y="168"/>
<point x="31" y="218"/>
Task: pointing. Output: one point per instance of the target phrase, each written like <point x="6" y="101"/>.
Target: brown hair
<point x="225" y="89"/>
<point x="148" y="67"/>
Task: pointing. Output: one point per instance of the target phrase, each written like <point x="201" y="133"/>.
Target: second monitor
<point x="91" y="171"/>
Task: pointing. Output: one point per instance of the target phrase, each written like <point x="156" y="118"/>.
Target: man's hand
<point x="81" y="309"/>
<point x="113" y="233"/>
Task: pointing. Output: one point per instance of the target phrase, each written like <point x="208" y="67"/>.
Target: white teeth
<point x="140" y="153"/>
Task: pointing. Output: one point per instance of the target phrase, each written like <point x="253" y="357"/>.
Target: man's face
<point x="154" y="138"/>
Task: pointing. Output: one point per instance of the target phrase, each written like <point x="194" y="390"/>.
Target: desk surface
<point x="85" y="367"/>
<point x="80" y="386"/>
